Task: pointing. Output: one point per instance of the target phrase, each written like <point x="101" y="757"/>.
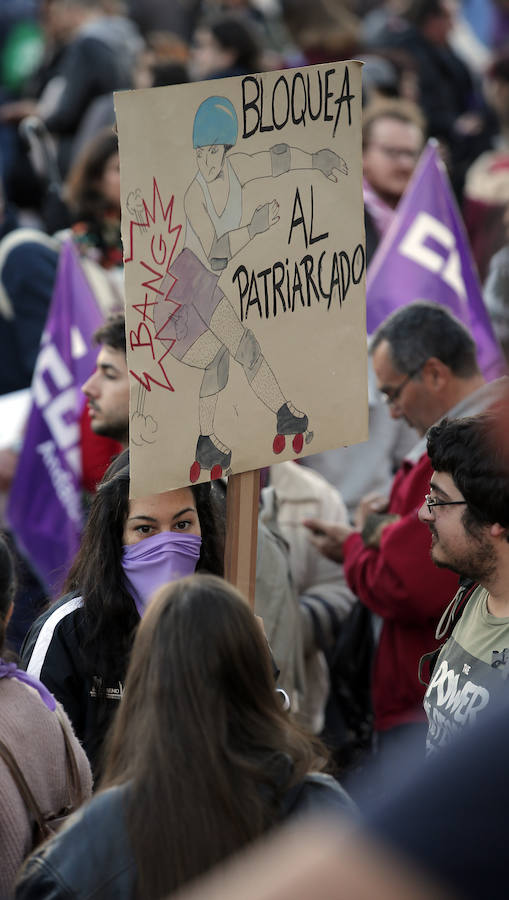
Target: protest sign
<point x="244" y="272"/>
<point x="425" y="255"/>
<point x="44" y="508"/>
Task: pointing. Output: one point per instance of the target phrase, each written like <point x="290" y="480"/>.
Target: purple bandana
<point x="156" y="560"/>
<point x="10" y="670"/>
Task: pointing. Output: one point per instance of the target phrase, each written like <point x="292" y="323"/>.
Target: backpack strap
<point x="73" y="775"/>
<point x="318" y="631"/>
<point x="308" y="602"/>
<point x="72" y="771"/>
<point x="456" y="611"/>
<point x="22" y="786"/>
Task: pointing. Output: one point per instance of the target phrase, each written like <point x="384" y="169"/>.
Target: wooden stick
<point x="242" y="500"/>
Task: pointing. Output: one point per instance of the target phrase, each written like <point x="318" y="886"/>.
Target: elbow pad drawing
<point x="220" y="253"/>
<point x="280" y="159"/>
<point x="327" y="160"/>
<point x="259" y="221"/>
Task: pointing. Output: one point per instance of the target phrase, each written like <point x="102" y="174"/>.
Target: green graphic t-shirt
<point x="472" y="666"/>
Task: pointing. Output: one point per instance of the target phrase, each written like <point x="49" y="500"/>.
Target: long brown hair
<point x="200" y="735"/>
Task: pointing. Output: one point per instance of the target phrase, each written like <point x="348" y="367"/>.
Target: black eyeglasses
<point x="397" y="152"/>
<point x="392" y="395"/>
<point x="434" y="501"/>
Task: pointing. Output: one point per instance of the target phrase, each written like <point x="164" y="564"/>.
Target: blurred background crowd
<point x="445" y="65"/>
<point x="433" y="69"/>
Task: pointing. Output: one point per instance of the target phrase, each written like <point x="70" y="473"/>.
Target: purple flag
<point x="45" y="500"/>
<point x="425" y="255"/>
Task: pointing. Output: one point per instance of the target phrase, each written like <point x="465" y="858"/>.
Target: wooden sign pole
<point x="242" y="501"/>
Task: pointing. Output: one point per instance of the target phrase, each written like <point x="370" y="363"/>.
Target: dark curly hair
<point x="471" y="451"/>
<point x="112" y="332"/>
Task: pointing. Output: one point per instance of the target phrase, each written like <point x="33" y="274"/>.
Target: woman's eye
<point x="213" y="150"/>
<point x="182" y="525"/>
<point x="143" y="529"/>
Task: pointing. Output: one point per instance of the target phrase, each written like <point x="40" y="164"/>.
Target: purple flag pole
<point x="45" y="500"/>
<point x="425" y="255"/>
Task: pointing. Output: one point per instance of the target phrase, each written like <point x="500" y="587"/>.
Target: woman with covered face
<point x="80" y="647"/>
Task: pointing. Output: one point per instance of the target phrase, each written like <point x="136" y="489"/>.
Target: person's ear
<point x="435" y="374"/>
<point x="497" y="530"/>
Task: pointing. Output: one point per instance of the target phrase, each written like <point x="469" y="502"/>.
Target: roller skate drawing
<point x="291" y="421"/>
<point x="204" y="330"/>
<point x="212" y="455"/>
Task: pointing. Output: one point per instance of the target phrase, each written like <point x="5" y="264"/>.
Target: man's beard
<point x="478" y="562"/>
<point x="117" y="431"/>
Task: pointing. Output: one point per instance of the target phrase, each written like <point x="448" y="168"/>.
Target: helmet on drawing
<point x="215" y="122"/>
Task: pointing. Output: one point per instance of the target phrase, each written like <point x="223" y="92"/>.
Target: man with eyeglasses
<point x="425" y="364"/>
<point x="392" y="140"/>
<point x="467" y="513"/>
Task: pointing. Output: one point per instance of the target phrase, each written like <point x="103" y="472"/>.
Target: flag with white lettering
<point x="45" y="509"/>
<point x="425" y="255"/>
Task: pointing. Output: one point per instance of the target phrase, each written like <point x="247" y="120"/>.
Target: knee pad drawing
<point x="215" y="377"/>
<point x="249" y="354"/>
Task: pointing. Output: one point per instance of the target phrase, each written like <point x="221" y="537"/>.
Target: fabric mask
<point x="156" y="560"/>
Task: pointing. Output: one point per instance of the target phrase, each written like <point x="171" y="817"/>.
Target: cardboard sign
<point x="242" y="224"/>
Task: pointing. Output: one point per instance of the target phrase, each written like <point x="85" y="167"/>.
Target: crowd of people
<point x="144" y="704"/>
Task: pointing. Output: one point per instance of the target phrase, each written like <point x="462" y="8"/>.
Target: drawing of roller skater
<point x="205" y="332"/>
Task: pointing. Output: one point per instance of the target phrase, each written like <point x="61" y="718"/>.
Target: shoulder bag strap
<point x="454" y="615"/>
<point x="318" y="632"/>
<point x="23" y="788"/>
<point x="73" y="775"/>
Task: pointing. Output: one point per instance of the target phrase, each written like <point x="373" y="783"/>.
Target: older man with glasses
<point x="393" y="134"/>
<point x="425" y="364"/>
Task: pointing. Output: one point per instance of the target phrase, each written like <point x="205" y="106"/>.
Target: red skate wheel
<point x="279" y="443"/>
<point x="194" y="473"/>
<point x="298" y="442"/>
<point x="215" y="472"/>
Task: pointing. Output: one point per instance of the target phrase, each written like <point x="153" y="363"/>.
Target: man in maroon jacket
<point x="426" y="367"/>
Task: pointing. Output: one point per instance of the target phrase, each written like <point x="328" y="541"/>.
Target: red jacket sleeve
<point x="400" y="581"/>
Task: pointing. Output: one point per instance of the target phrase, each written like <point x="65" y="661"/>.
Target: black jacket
<point x="91" y="856"/>
<point x="52" y="652"/>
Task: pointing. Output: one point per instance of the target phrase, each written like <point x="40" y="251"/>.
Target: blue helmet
<point x="215" y="122"/>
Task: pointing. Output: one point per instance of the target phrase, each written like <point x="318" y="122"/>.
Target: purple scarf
<point x="10" y="670"/>
<point x="156" y="560"/>
<point x="380" y="211"/>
